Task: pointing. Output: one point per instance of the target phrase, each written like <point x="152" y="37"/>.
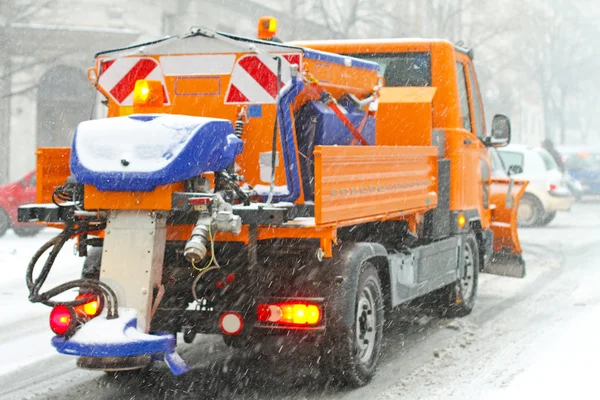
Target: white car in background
<point x="547" y="191"/>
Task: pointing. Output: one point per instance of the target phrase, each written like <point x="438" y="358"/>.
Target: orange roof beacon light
<point x="148" y="94"/>
<point x="267" y="28"/>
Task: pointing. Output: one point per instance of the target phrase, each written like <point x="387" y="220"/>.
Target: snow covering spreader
<point x="275" y="194"/>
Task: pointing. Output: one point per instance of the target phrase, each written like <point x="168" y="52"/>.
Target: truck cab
<point x="431" y="85"/>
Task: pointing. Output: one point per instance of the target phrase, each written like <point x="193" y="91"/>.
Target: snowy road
<point x="527" y="339"/>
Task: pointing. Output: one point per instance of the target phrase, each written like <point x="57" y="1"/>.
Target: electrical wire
<point x="212" y="250"/>
<point x="208" y="267"/>
<point x="66" y="193"/>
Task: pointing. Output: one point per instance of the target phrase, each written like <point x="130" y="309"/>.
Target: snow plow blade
<point x="507" y="259"/>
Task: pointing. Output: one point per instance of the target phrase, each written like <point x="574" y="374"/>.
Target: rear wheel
<point x="4" y="222"/>
<point x="530" y="212"/>
<point x="91" y="265"/>
<point x="353" y="352"/>
<point x="27" y="231"/>
<point x="548" y="217"/>
<point x="458" y="299"/>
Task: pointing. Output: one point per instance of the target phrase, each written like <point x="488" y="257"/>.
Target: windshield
<point x="402" y="69"/>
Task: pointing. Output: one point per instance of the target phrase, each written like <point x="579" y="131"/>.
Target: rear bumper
<point x="106" y="343"/>
<point x="559" y="202"/>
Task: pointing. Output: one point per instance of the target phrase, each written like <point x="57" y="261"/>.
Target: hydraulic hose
<point x="35" y="285"/>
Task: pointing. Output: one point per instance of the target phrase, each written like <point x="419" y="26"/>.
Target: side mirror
<point x="500" y="132"/>
<point x="514" y="170"/>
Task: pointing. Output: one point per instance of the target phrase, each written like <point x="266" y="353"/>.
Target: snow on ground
<point x="560" y="364"/>
<point x="527" y="339"/>
<point x="535" y="338"/>
<point x="24" y="331"/>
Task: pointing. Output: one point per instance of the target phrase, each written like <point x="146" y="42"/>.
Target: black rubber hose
<point x="34" y="286"/>
<point x="105" y="290"/>
<point x="61" y="239"/>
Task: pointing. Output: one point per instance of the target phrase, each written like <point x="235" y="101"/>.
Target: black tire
<point x="91" y="265"/>
<point x="27" y="231"/>
<point x="458" y="299"/>
<point x="548" y="217"/>
<point x="531" y="212"/>
<point x="352" y="353"/>
<point x="4" y="222"/>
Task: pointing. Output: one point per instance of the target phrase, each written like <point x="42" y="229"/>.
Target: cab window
<point x="32" y="180"/>
<point x="402" y="69"/>
<point x="477" y="108"/>
<point x="464" y="96"/>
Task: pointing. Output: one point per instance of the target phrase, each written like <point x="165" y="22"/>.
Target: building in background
<point x="48" y="49"/>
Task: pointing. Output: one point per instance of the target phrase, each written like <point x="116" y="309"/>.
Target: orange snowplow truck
<point x="276" y="194"/>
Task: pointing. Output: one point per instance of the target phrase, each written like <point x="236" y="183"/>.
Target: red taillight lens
<point x="62" y="318"/>
<point x="552" y="187"/>
<point x="89" y="309"/>
<point x="299" y="314"/>
<point x="263" y="312"/>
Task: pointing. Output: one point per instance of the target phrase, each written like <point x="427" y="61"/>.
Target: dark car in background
<point x="12" y="196"/>
<point x="583" y="165"/>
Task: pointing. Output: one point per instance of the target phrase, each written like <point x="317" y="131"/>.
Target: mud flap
<point x="507" y="259"/>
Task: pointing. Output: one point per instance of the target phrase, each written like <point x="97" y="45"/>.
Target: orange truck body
<point x="404" y="152"/>
<point x="388" y="169"/>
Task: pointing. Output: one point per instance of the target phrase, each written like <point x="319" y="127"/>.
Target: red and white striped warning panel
<point x="117" y="77"/>
<point x="203" y="64"/>
<point x="254" y="79"/>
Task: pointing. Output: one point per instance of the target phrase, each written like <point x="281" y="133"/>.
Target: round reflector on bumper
<point x="231" y="323"/>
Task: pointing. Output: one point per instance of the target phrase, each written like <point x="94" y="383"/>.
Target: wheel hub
<point x="467" y="284"/>
<point x="365" y="325"/>
<point x="525" y="212"/>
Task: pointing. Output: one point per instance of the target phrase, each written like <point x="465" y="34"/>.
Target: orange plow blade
<point x="507" y="259"/>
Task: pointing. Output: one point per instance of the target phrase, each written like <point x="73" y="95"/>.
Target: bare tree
<point x="13" y="12"/>
<point x="559" y="58"/>
<point x="352" y="18"/>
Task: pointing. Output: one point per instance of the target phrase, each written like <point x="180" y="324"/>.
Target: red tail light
<point x="89" y="309"/>
<point x="62" y="320"/>
<point x="552" y="187"/>
<point x="298" y="314"/>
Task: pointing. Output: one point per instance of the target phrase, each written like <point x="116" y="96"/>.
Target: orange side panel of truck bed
<point x="405" y="116"/>
<point x="52" y="171"/>
<point x="359" y="183"/>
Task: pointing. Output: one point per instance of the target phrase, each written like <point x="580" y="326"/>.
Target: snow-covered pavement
<point x="24" y="332"/>
<point x="527" y="339"/>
